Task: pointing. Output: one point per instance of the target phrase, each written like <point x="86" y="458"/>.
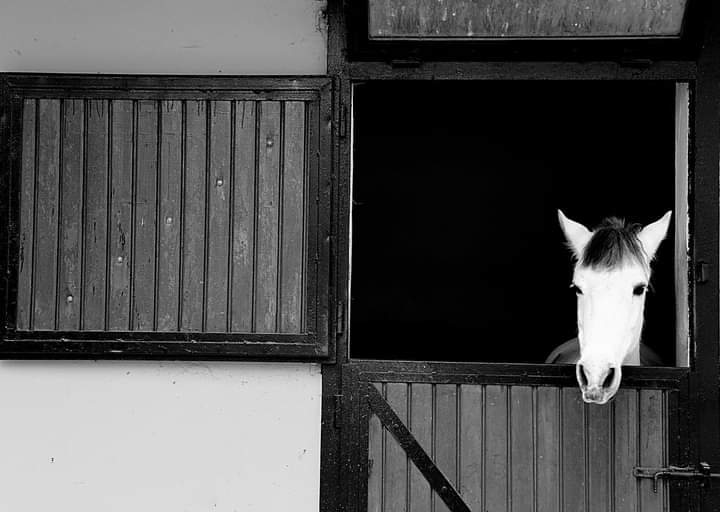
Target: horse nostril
<point x="582" y="376"/>
<point x="609" y="378"/>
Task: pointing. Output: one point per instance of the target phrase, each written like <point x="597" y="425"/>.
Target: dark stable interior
<point x="457" y="254"/>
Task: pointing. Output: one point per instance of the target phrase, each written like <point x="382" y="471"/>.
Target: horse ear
<point x="575" y="233"/>
<point x="651" y="235"/>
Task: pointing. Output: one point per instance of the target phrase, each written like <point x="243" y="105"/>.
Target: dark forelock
<point x="612" y="244"/>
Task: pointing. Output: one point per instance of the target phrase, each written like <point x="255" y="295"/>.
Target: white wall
<point x="86" y="436"/>
<point x="162" y="36"/>
<point x="115" y="436"/>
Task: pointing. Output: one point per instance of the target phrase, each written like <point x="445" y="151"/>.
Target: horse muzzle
<point x="598" y="383"/>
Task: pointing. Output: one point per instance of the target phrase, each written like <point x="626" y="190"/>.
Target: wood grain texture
<point x="445" y="438"/>
<point x="243" y="228"/>
<point x="421" y="426"/>
<point x="219" y="196"/>
<point x="293" y="219"/>
<point x="547" y="453"/>
<point x="521" y="448"/>
<point x="72" y="175"/>
<point x="470" y="446"/>
<point x="496" y="448"/>
<point x="625" y="453"/>
<point x="395" y="460"/>
<point x="652" y="447"/>
<point x="145" y="217"/>
<point x="171" y="196"/>
<point x="97" y="260"/>
<point x="268" y="215"/>
<point x="376" y="463"/>
<point x="27" y="217"/>
<point x="193" y="245"/>
<point x="165" y="215"/>
<point x="47" y="205"/>
<point x="599" y="461"/>
<point x="573" y="450"/>
<point x="121" y="222"/>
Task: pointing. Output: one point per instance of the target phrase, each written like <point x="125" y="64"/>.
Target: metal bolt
<point x="168" y="220"/>
<point x="69" y="298"/>
<point x="219" y="182"/>
<point x="269" y="142"/>
<point x="119" y="259"/>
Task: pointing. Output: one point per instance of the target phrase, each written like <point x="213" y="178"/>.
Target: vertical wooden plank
<point x="396" y="461"/>
<point x="599" y="461"/>
<point x="681" y="218"/>
<point x="193" y="246"/>
<point x="145" y="197"/>
<point x="243" y="248"/>
<point x="573" y="450"/>
<point x="46" y="215"/>
<point x="522" y="449"/>
<point x="168" y="284"/>
<point x="97" y="188"/>
<point x="220" y="193"/>
<point x="547" y="438"/>
<point x="27" y="216"/>
<point x="445" y="435"/>
<point x="652" y="447"/>
<point x="496" y="449"/>
<point x="267" y="218"/>
<point x="375" y="464"/>
<point x="625" y="449"/>
<point x="421" y="422"/>
<point x="121" y="228"/>
<point x="69" y="297"/>
<point x="471" y="445"/>
<point x="293" y="219"/>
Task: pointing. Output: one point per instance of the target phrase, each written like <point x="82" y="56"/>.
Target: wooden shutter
<point x="166" y="217"/>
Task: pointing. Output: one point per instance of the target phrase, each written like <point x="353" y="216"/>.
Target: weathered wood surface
<point x="521" y="448"/>
<point x="524" y="18"/>
<point x="164" y="215"/>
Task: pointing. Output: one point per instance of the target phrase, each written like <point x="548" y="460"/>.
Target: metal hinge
<point x="702" y="470"/>
<point x="337" y="411"/>
<point x="343" y="121"/>
<point x="340" y="318"/>
<point x="701" y="272"/>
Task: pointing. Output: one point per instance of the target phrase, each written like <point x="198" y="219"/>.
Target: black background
<point x="457" y="254"/>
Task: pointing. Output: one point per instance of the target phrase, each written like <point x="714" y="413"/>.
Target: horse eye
<point x="576" y="289"/>
<point x="639" y="289"/>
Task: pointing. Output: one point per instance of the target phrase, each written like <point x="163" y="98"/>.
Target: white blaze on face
<point x="610" y="305"/>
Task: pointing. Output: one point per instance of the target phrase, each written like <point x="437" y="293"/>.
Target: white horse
<point x="612" y="273"/>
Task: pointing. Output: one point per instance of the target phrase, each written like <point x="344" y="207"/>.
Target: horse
<point x="610" y="278"/>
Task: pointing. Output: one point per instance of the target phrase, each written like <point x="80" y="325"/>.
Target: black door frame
<point x="703" y="75"/>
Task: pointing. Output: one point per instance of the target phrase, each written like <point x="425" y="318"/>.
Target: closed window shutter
<point x="167" y="217"/>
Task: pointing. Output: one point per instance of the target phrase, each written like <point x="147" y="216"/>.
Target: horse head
<point x="610" y="279"/>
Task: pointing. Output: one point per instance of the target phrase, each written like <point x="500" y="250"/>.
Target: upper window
<point x="462" y="19"/>
<point x="522" y="29"/>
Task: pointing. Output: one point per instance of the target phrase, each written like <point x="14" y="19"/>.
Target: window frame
<point x="311" y="345"/>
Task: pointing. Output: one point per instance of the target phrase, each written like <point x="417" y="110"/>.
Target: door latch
<point x="702" y="470"/>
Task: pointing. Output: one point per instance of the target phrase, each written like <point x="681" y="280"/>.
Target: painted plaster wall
<point x="86" y="436"/>
<point x="163" y="36"/>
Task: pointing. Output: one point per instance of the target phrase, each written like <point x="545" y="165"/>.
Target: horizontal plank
<point x="508" y="373"/>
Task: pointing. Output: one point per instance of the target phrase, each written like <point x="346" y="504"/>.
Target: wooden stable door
<point x="501" y="438"/>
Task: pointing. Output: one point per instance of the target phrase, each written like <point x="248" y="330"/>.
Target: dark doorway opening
<point x="456" y="250"/>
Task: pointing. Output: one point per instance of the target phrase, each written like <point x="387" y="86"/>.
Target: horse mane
<point x="613" y="244"/>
